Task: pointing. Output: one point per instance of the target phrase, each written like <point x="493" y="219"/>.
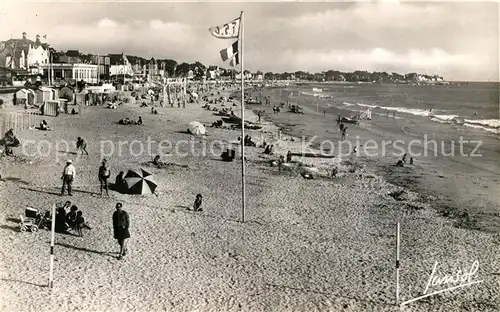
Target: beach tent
<point x="140" y="182"/>
<point x="196" y="128"/>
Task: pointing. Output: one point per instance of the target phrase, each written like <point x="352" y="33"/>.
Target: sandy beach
<point x="307" y="245"/>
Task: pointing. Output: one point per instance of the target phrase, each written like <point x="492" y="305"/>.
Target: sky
<point x="459" y="41"/>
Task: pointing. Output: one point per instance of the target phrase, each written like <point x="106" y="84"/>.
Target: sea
<point x="470" y="104"/>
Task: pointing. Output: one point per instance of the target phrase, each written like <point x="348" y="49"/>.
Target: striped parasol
<point x="140" y="182"/>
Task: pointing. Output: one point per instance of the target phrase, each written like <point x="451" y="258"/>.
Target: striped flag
<point x="229" y="30"/>
<point x="235" y="60"/>
<point x="228" y="53"/>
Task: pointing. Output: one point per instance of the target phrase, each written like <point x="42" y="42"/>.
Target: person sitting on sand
<point x="198" y="202"/>
<point x="289" y="157"/>
<point x="335" y="171"/>
<point x="156" y="160"/>
<point x="281" y="160"/>
<point x="248" y="141"/>
<point x="400" y="163"/>
<point x="61" y="225"/>
<point x="269" y="150"/>
<point x="120" y="183"/>
<point x="152" y="110"/>
<point x="44" y="126"/>
<point x="139" y="121"/>
<point x="71" y="217"/>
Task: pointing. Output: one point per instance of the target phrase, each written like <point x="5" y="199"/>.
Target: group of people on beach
<point x="9" y="141"/>
<point x="127" y="121"/>
<point x="69" y="217"/>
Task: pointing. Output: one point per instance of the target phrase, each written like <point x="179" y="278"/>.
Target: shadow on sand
<point x="14" y="179"/>
<point x="102" y="253"/>
<point x="10" y="227"/>
<point x="23" y="282"/>
<point x="41" y="191"/>
<point x="116" y="188"/>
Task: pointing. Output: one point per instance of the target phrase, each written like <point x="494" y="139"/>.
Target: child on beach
<point x="80" y="223"/>
<point x="81" y="145"/>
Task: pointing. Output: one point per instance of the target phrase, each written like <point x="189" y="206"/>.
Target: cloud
<point x="106" y="23"/>
<point x="453" y="39"/>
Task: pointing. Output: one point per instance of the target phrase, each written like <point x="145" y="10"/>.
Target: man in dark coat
<point x="120" y="229"/>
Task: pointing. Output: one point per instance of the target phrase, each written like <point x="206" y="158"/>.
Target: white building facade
<point x="78" y="72"/>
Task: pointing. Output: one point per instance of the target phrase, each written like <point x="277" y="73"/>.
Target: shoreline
<point x="413" y="178"/>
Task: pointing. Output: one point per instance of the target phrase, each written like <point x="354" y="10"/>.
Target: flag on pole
<point x="234" y="30"/>
<point x="235" y="60"/>
<point x="229" y="30"/>
<point x="228" y="53"/>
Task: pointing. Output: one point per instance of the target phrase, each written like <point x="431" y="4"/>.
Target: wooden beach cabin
<point x="25" y="96"/>
<point x="45" y="94"/>
<point x="50" y="108"/>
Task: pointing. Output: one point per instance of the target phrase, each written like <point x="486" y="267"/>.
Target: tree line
<point x="175" y="69"/>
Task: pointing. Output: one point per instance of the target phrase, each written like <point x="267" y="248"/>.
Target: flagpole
<point x="242" y="123"/>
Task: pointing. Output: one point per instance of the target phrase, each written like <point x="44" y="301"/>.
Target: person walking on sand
<point x="104" y="174"/>
<point x="197" y="203"/>
<point x="121" y="233"/>
<point x="68" y="176"/>
<point x="344" y="134"/>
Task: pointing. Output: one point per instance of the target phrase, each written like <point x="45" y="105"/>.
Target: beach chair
<point x="228" y="155"/>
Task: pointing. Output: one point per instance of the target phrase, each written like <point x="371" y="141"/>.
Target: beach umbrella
<point x="196" y="128"/>
<point x="140" y="182"/>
